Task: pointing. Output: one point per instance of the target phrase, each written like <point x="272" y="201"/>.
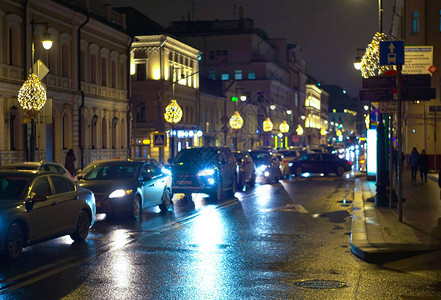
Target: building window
<point x="238" y="74"/>
<point x="93" y="68"/>
<point x="65" y="60"/>
<point x="103" y="71"/>
<point x="83" y="65"/>
<point x="113" y="70"/>
<point x="212" y="74"/>
<point x="252" y="75"/>
<point x="140" y="72"/>
<point x="225" y="76"/>
<point x="415" y="22"/>
<point x="141" y="113"/>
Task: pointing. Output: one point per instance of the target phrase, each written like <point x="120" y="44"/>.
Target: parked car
<point x="246" y="170"/>
<point x="52" y="167"/>
<point x="320" y="163"/>
<point x="36" y="206"/>
<point x="126" y="186"/>
<point x="267" y="166"/>
<point x="209" y="170"/>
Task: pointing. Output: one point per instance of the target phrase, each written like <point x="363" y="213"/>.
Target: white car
<point x="52" y="167"/>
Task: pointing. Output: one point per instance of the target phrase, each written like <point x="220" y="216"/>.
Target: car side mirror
<point x="38" y="198"/>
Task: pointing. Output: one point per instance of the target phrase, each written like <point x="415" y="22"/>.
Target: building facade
<point x="87" y="88"/>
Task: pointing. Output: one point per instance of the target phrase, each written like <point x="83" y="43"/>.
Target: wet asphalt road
<point x="288" y="240"/>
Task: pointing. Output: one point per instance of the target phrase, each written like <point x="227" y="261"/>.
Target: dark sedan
<point x="267" y="166"/>
<point x="37" y="206"/>
<point x="320" y="163"/>
<point x="129" y="186"/>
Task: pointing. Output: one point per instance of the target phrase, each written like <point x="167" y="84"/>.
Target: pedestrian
<point x="413" y="162"/>
<point x="423" y="166"/>
<point x="69" y="162"/>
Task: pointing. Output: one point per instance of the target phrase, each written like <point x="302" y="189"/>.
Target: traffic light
<point x="234" y="99"/>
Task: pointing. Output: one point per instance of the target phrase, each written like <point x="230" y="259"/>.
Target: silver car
<point x="52" y="167"/>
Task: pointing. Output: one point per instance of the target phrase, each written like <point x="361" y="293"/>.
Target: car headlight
<point x="120" y="193"/>
<point x="206" y="172"/>
<point x="261" y="168"/>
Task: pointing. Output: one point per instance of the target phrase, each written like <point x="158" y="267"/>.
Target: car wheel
<point x="340" y="171"/>
<point x="216" y="195"/>
<point x="166" y="201"/>
<point x="82" y="227"/>
<point x="136" y="208"/>
<point x="14" y="241"/>
<point x="299" y="171"/>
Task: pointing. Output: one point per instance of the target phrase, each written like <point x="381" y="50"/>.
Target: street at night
<point x="277" y="241"/>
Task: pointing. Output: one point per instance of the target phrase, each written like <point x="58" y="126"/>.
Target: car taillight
<point x="285" y="160"/>
<point x="349" y="163"/>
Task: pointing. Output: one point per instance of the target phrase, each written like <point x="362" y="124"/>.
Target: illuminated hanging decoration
<point x="32" y="95"/>
<point x="339" y="132"/>
<point x="173" y="112"/>
<point x="267" y="125"/>
<point x="299" y="130"/>
<point x="284" y="127"/>
<point x="323" y="131"/>
<point x="370" y="62"/>
<point x="236" y="121"/>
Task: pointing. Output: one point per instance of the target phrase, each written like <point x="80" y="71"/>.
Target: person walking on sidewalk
<point x="423" y="166"/>
<point x="414" y="158"/>
<point x="70" y="162"/>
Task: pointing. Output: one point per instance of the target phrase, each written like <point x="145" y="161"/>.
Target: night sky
<point x="328" y="31"/>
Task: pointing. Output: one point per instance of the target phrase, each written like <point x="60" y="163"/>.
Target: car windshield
<point x="260" y="156"/>
<point x="196" y="155"/>
<point x="12" y="187"/>
<point x="111" y="172"/>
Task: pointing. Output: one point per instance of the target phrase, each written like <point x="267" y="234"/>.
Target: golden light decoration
<point x="339" y="132"/>
<point x="267" y="125"/>
<point x="284" y="127"/>
<point x="299" y="130"/>
<point x="370" y="62"/>
<point x="173" y="112"/>
<point x="323" y="131"/>
<point x="32" y="95"/>
<point x="236" y="121"/>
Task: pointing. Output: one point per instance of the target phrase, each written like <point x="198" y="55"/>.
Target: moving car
<point x="246" y="170"/>
<point x="283" y="165"/>
<point x="37" y="206"/>
<point x="52" y="167"/>
<point x="289" y="155"/>
<point x="320" y="163"/>
<point x="126" y="186"/>
<point x="267" y="166"/>
<point x="209" y="170"/>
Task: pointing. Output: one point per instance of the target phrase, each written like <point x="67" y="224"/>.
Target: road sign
<point x="295" y="138"/>
<point x="419" y="60"/>
<point x="159" y="139"/>
<point x="414" y="94"/>
<point x="376" y="95"/>
<point x="432" y="69"/>
<point x="417" y="80"/>
<point x="390" y="107"/>
<point x="380" y="82"/>
<point x="391" y="53"/>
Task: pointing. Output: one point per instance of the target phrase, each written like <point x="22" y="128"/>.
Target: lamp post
<point x="32" y="94"/>
<point x="236" y="122"/>
<point x="172" y="115"/>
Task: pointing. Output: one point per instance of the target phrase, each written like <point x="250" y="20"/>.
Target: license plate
<point x="184" y="182"/>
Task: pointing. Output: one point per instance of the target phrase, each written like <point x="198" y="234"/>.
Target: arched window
<point x="114" y="131"/>
<point x="104" y="133"/>
<point x="93" y="129"/>
<point x="66" y="129"/>
<point x="14" y="40"/>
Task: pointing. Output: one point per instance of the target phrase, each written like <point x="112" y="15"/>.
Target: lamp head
<point x="46" y="41"/>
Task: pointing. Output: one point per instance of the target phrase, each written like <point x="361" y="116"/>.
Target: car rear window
<point x="12" y="187"/>
<point x="111" y="172"/>
<point x="196" y="155"/>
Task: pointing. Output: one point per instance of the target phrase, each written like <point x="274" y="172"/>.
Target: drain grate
<point x="321" y="284"/>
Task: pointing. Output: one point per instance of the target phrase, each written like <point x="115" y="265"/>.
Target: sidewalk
<point x="378" y="236"/>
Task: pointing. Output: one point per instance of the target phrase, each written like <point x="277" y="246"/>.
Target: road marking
<point x="289" y="208"/>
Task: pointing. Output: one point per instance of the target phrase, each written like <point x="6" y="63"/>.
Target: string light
<point x="370" y="62"/>
<point x="267" y="125"/>
<point x="236" y="121"/>
<point x="284" y="127"/>
<point x="32" y="95"/>
<point x="173" y="112"/>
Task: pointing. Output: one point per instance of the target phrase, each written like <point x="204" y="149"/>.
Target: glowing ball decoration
<point x="370" y="62"/>
<point x="267" y="125"/>
<point x="236" y="121"/>
<point x="284" y="127"/>
<point x="32" y="95"/>
<point x="173" y="112"/>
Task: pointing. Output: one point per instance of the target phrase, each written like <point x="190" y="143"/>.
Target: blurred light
<point x="272" y="107"/>
<point x="243" y="98"/>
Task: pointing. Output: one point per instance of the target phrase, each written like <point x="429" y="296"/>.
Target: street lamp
<point x="267" y="127"/>
<point x="172" y="115"/>
<point x="236" y="122"/>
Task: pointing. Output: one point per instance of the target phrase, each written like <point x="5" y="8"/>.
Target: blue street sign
<point x="391" y="53"/>
<point x="159" y="139"/>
